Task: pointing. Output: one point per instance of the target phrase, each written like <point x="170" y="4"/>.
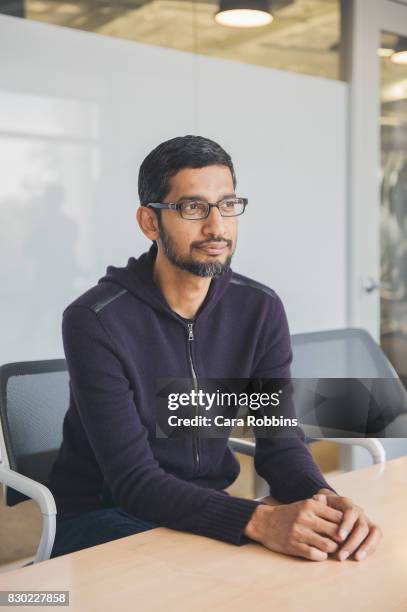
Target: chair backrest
<point x="34" y="397"/>
<point x="375" y="393"/>
<point x="339" y="353"/>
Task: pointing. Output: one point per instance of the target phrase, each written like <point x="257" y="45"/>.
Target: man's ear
<point x="148" y="222"/>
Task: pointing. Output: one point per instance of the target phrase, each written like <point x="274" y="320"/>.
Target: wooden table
<point x="169" y="570"/>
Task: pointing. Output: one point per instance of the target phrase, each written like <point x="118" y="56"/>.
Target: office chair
<point x="340" y="353"/>
<point x="34" y="397"/>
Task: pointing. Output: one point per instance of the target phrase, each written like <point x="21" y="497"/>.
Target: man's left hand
<point x="359" y="535"/>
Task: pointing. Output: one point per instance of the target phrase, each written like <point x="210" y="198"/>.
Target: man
<point x="179" y="311"/>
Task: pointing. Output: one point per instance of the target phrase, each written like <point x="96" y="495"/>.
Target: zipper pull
<point x="191" y="332"/>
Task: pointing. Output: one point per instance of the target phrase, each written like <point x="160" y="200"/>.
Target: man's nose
<point x="214" y="223"/>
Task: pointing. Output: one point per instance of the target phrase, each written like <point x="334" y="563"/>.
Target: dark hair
<point x="172" y="156"/>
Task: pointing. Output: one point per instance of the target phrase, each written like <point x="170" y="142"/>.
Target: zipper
<point x="191" y="338"/>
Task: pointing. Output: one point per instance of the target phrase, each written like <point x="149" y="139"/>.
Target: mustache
<point x="211" y="241"/>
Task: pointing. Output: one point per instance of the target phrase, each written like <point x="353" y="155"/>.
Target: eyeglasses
<point x="199" y="209"/>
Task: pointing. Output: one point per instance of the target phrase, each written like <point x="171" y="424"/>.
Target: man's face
<point x="202" y="247"/>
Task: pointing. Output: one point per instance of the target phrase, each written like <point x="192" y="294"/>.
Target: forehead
<point x="197" y="181"/>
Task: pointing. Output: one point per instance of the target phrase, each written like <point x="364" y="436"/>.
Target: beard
<point x="189" y="264"/>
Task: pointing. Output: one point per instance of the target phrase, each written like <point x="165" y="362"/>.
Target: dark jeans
<point x="96" y="527"/>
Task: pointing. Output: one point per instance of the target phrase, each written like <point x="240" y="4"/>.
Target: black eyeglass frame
<point x="178" y="206"/>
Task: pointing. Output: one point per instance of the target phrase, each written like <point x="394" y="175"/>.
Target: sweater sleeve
<point x="119" y="440"/>
<point x="285" y="463"/>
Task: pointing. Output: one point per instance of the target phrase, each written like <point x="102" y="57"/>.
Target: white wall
<point x="287" y="134"/>
<point x="78" y="113"/>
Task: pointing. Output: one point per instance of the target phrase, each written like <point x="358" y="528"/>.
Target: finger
<point x="350" y="517"/>
<point x="358" y="535"/>
<point x="340" y="503"/>
<point x="310" y="537"/>
<point x="324" y="527"/>
<point x="330" y="514"/>
<point x="309" y="552"/>
<point x="321" y="526"/>
<point x="320" y="497"/>
<point x="370" y="544"/>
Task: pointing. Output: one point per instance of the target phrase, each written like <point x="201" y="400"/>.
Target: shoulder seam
<point x="247" y="282"/>
<point x="100" y="304"/>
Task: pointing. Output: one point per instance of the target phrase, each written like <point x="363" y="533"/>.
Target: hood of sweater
<point x="137" y="278"/>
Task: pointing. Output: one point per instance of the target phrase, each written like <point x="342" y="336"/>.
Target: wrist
<point x="255" y="528"/>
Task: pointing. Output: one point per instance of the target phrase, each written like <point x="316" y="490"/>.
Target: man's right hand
<point x="305" y="528"/>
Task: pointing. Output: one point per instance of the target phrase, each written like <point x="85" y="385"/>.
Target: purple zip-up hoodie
<point x="118" y="338"/>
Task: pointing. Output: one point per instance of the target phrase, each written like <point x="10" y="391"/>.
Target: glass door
<point x="378" y="186"/>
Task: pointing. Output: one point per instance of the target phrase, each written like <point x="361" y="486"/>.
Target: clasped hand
<point x="326" y="524"/>
<point x="357" y="535"/>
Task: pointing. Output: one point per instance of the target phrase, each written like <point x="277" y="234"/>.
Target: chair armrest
<point x="246" y="447"/>
<point x="44" y="498"/>
<point x="372" y="445"/>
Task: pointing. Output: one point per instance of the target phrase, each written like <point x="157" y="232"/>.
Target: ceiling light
<point x="385" y="52"/>
<point x="400" y="53"/>
<point x="244" y="13"/>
